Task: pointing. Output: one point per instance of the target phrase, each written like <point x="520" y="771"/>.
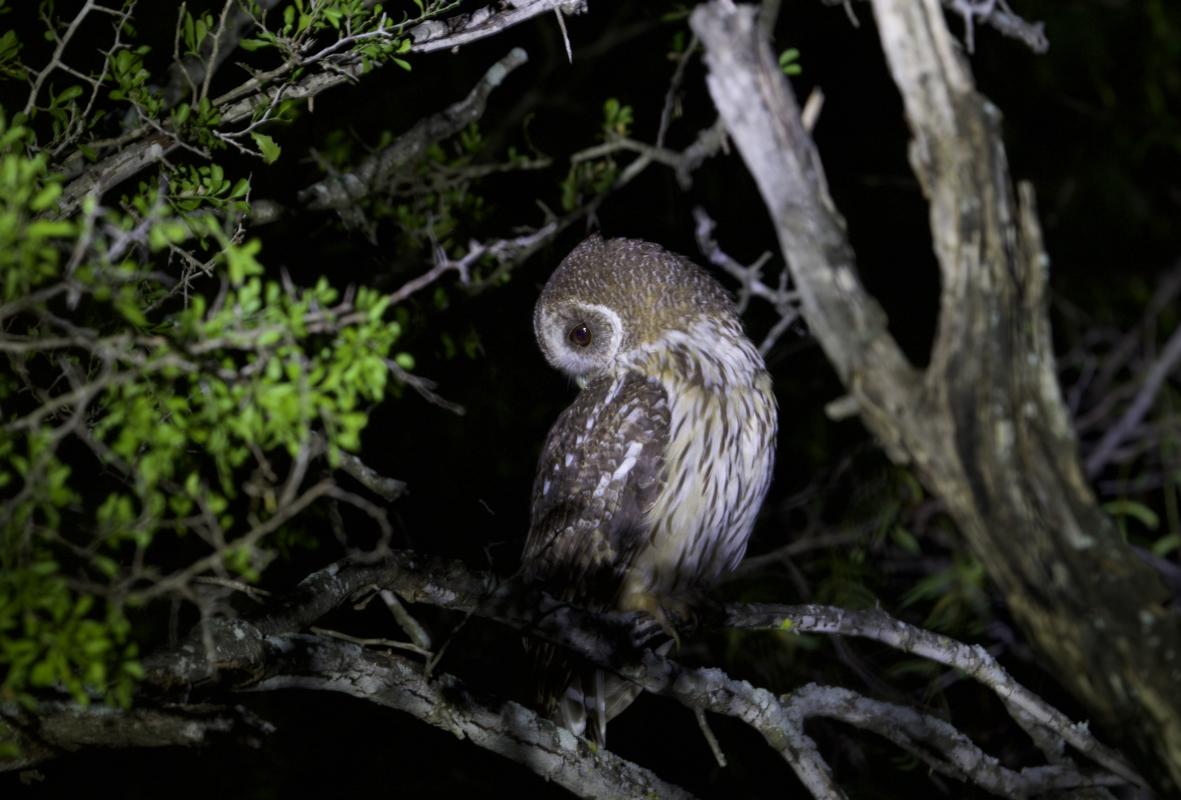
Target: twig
<point x="710" y="738"/>
<point x="412" y="627"/>
<point x="937" y="743"/>
<point x="371" y="642"/>
<point x="508" y="729"/>
<point x="55" y="60"/>
<point x="486" y="21"/>
<point x="996" y="14"/>
<point x="973" y="660"/>
<point x="1168" y="360"/>
<point x="342" y="192"/>
<point x="425" y="387"/>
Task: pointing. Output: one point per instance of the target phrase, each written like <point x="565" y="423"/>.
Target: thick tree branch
<point x="994" y="13"/>
<point x="985" y="424"/>
<point x="973" y="660"/>
<point x="238" y="106"/>
<point x="487" y="21"/>
<point x="341" y="192"/>
<point x="507" y="729"/>
<point x="616" y="642"/>
<point x="59" y="728"/>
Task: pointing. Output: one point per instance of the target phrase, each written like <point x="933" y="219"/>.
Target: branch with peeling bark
<point x="258" y="96"/>
<point x="994" y="13"/>
<point x="984" y="424"/>
<point x="269" y="653"/>
<point x="341" y="192"/>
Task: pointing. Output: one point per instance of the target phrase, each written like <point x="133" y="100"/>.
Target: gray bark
<point x="984" y="424"/>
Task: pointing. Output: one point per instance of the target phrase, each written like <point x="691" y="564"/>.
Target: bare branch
<point x="972" y="660"/>
<point x="984" y="424"/>
<point x="425" y="388"/>
<point x="257" y="97"/>
<point x="1155" y="378"/>
<point x="612" y="641"/>
<point x="937" y="743"/>
<point x="508" y="729"/>
<point x="55" y="61"/>
<point x="342" y="192"/>
<point x="994" y="13"/>
<point x="64" y="727"/>
<point x="486" y="21"/>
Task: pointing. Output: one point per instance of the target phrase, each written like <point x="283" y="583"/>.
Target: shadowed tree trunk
<point x="984" y="424"/>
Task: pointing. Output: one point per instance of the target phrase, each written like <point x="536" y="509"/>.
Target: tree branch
<point x="507" y="729"/>
<point x="341" y="192"/>
<point x="615" y="642"/>
<point x="985" y="424"/>
<point x="994" y="13"/>
<point x="487" y="21"/>
<point x="236" y="106"/>
<point x="1160" y="370"/>
<point x="65" y="727"/>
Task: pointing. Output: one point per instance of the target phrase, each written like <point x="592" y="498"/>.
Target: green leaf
<point x="45" y="198"/>
<point x="1166" y="544"/>
<point x="1138" y="511"/>
<point x="43" y="674"/>
<point x="241" y="262"/>
<point x="105" y="565"/>
<point x="905" y="539"/>
<point x="788" y="61"/>
<point x="270" y="150"/>
<point x="49" y="229"/>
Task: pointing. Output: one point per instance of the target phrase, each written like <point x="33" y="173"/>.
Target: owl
<point x="649" y="483"/>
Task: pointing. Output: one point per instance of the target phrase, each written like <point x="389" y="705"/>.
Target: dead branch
<point x="341" y="192"/>
<point x="984" y="424"/>
<point x="507" y="729"/>
<point x="616" y="642"/>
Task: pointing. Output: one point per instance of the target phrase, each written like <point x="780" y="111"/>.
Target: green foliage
<point x="955" y="596"/>
<point x="163" y="391"/>
<point x="28" y="255"/>
<point x="266" y="145"/>
<point x="789" y="62"/>
<point x="1123" y="509"/>
<point x="433" y="199"/>
<point x="53" y="636"/>
<point x="594" y="177"/>
<point x="617" y="118"/>
<point x="373" y="37"/>
<point x="180" y="400"/>
<point x="10" y="48"/>
<point x="132" y="80"/>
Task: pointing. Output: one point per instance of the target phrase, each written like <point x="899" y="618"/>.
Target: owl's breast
<point x="718" y="462"/>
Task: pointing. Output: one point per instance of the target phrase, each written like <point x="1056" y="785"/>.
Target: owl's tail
<point x="584" y="699"/>
<point x="592" y="700"/>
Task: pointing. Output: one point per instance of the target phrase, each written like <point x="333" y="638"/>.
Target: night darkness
<point x="1092" y="124"/>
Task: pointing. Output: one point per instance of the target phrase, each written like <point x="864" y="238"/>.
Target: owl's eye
<point x="580" y="334"/>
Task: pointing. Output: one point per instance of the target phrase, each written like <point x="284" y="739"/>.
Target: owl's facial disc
<point x="580" y="339"/>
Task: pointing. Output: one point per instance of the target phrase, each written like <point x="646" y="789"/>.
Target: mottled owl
<point x="649" y="483"/>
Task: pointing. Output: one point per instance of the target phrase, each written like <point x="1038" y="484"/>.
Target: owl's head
<point x="611" y="296"/>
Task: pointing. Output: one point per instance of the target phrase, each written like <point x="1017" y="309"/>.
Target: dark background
<point x="1092" y="124"/>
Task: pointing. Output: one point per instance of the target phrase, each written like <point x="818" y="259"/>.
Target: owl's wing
<point x="600" y="471"/>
